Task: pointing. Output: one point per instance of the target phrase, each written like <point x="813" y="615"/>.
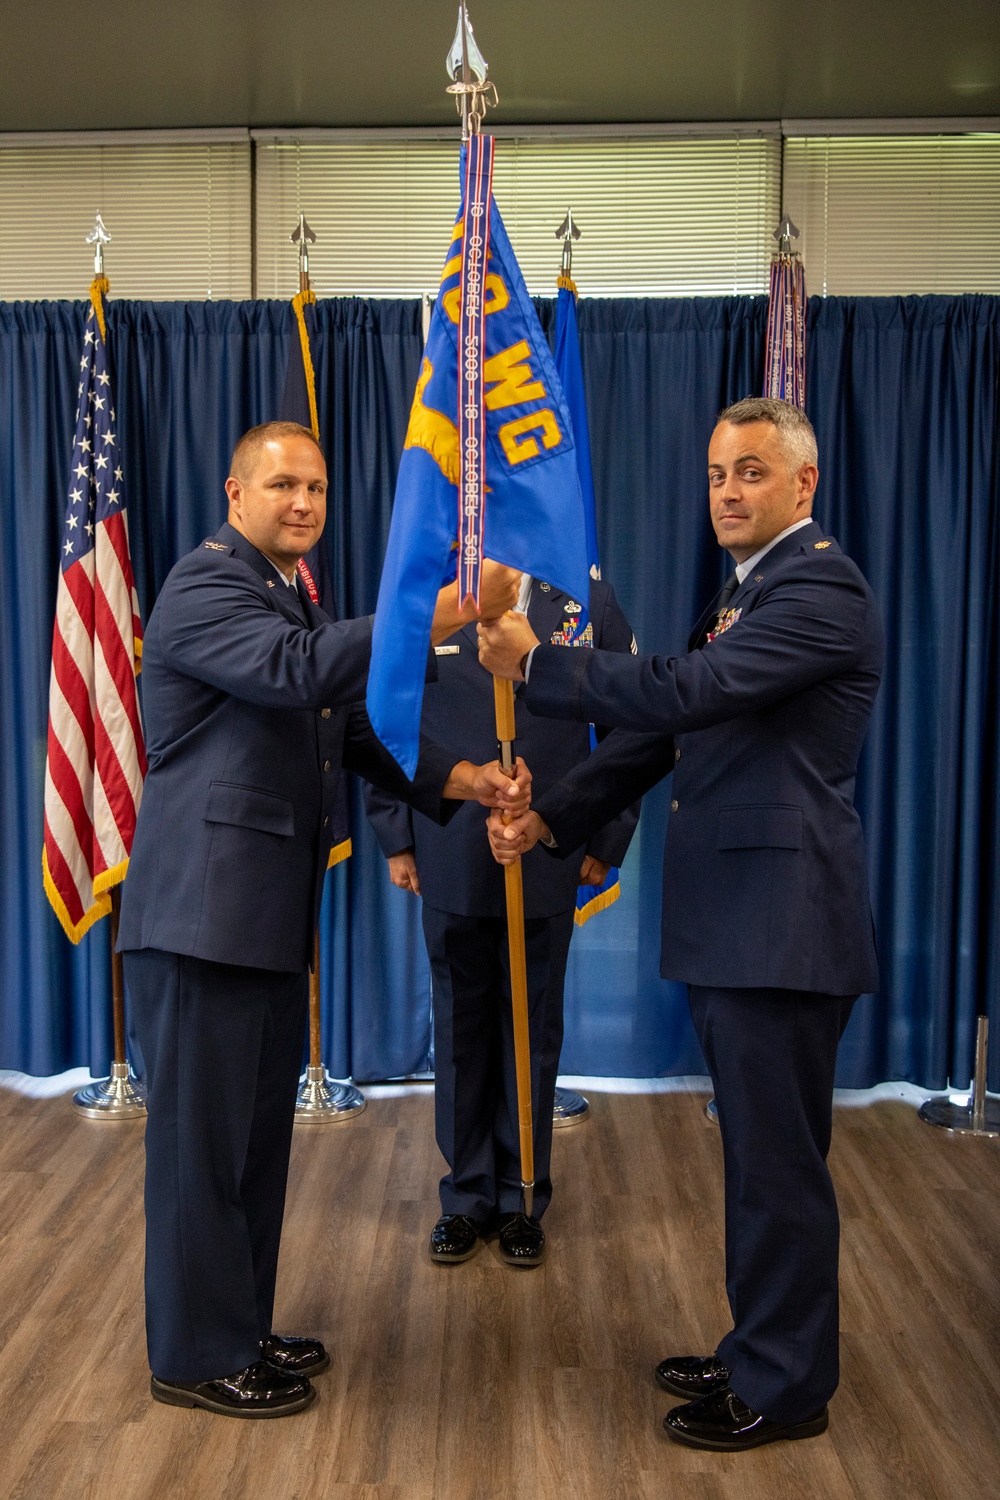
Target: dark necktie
<point x="297" y="602"/>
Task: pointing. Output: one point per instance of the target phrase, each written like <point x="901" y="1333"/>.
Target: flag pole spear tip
<point x="784" y="234"/>
<point x="467" y="68"/>
<point x="302" y="236"/>
<point x="98" y="237"/>
<point x="568" y="231"/>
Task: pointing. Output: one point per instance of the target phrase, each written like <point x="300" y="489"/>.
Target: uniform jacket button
<point x="674" y="805"/>
<point x="326" y="765"/>
<point x="324" y="713"/>
<point x="677" y="754"/>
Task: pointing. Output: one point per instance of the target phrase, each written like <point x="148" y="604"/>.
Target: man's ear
<point x="234" y="493"/>
<point x="808" y="480"/>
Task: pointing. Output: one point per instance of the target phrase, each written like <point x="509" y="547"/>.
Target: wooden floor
<point x="480" y="1382"/>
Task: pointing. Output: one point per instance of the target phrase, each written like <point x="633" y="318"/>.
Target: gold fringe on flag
<point x="299" y="303"/>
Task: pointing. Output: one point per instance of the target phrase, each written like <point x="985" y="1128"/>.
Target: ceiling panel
<point x="133" y="64"/>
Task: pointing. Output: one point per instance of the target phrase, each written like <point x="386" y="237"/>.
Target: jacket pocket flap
<point x="760" y="828"/>
<point x="246" y="807"/>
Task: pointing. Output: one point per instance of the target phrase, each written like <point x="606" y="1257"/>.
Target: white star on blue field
<point x="96" y="488"/>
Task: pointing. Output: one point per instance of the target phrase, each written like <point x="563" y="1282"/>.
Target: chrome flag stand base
<point x="119" y="1097"/>
<point x="570" y="1108"/>
<point x="961" y="1119"/>
<point x="981" y="1116"/>
<point x="321" y="1099"/>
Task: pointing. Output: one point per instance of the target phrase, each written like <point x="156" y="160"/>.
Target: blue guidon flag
<point x="489" y="466"/>
<point x="590" y="899"/>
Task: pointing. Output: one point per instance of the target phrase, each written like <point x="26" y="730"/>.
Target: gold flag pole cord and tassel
<point x="321" y="1100"/>
<point x="120" y="1097"/>
<point x="473" y="94"/>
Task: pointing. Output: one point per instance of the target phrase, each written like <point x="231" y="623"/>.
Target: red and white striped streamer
<point x="785" y="360"/>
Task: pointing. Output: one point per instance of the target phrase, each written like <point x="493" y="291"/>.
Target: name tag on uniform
<point x="446" y="650"/>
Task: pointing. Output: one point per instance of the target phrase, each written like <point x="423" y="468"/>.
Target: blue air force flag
<point x="590" y="899"/>
<point x="521" y="502"/>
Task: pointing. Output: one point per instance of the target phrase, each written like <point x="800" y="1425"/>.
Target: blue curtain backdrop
<point x="904" y="395"/>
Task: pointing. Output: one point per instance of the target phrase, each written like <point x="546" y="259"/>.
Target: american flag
<point x="96" y="755"/>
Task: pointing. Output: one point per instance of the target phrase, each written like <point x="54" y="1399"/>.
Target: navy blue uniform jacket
<point x="458" y="874"/>
<point x="764" y="880"/>
<point x="249" y="716"/>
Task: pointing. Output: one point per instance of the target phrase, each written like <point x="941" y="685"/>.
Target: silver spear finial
<point x="303" y="237"/>
<point x="98" y="237"/>
<point x="568" y="231"/>
<point x="784" y="234"/>
<point x="467" y="67"/>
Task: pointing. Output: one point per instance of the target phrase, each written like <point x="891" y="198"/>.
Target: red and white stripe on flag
<point x="96" y="754"/>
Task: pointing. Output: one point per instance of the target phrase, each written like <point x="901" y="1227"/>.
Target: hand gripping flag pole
<point x="473" y="97"/>
<point x="320" y="1100"/>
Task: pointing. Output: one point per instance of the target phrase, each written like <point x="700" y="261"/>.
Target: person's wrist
<point x="461" y="784"/>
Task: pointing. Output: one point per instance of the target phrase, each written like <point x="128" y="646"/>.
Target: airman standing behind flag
<point x="465" y="927"/>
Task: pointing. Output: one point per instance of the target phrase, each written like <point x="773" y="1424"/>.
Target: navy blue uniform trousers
<point x="772" y="1055"/>
<point x="221" y="1051"/>
<point x="475" y="1086"/>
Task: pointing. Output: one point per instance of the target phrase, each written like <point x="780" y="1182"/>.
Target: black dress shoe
<point x="687" y="1376"/>
<point x="258" y="1391"/>
<point x="522" y="1240"/>
<point x="454" y="1238"/>
<point x="726" y="1424"/>
<point x="295" y="1356"/>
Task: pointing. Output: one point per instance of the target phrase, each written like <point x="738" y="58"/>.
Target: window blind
<point x="892" y="215"/>
<point x="178" y="213"/>
<point x="659" y="216"/>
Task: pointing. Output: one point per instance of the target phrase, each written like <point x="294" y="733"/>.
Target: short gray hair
<point x="798" y="440"/>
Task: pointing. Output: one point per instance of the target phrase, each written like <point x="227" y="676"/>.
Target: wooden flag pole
<point x="503" y="698"/>
<point x="315" y="1027"/>
<point x="321" y="1100"/>
<point x="117" y="982"/>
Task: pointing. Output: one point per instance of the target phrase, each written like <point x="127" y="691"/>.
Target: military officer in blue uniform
<point x="251" y="699"/>
<point x="464" y="920"/>
<point x="766" y="911"/>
